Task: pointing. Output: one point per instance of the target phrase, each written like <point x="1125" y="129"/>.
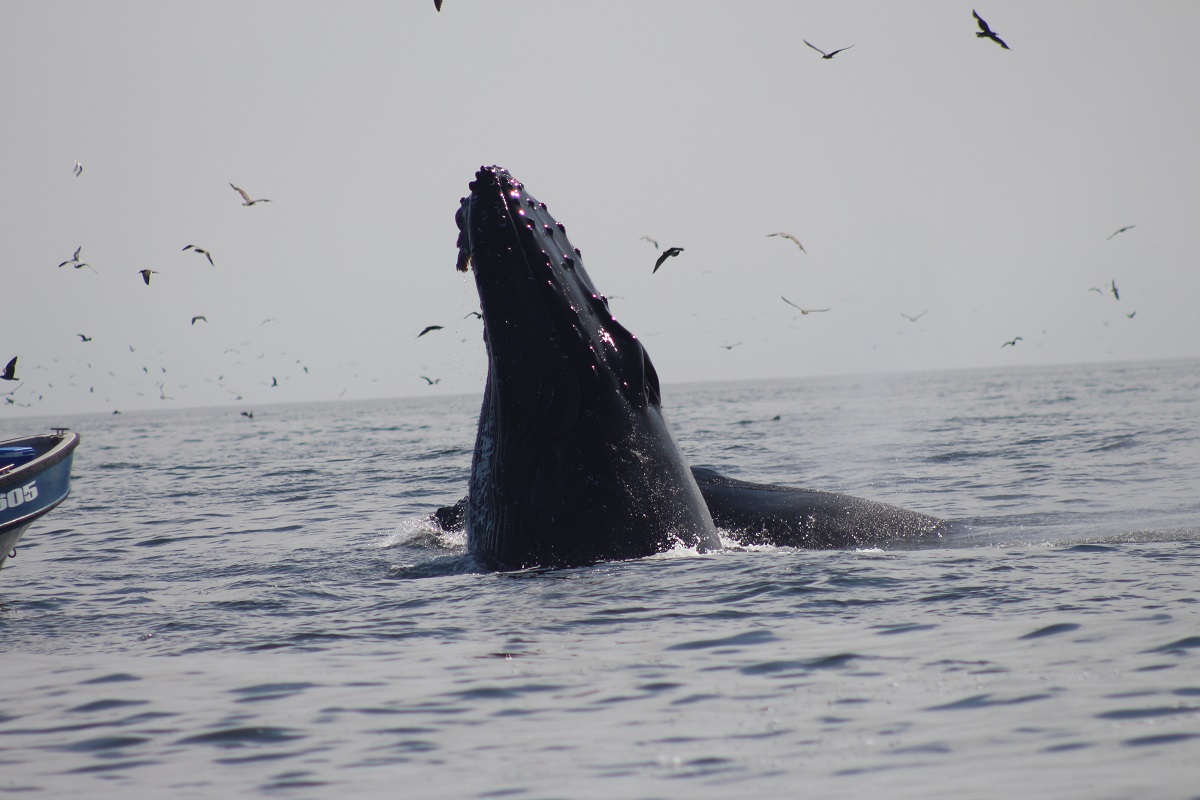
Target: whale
<point x="772" y="514"/>
<point x="574" y="462"/>
<point x="812" y="519"/>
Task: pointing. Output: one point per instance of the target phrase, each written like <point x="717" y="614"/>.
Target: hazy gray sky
<point x="925" y="170"/>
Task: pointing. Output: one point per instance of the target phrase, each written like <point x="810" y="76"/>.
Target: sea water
<point x="235" y="607"/>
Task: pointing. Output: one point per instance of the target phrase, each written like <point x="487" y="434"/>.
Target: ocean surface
<point x="235" y="607"/>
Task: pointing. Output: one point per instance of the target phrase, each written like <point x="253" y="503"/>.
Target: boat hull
<point x="35" y="476"/>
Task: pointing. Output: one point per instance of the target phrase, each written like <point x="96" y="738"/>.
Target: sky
<point x="926" y="172"/>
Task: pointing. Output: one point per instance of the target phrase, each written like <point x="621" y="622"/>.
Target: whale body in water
<point x="574" y="461"/>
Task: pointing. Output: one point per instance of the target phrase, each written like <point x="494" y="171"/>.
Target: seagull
<point x="10" y="371"/>
<point x="201" y="251"/>
<point x="146" y="273"/>
<point x="730" y="346"/>
<point x="475" y="314"/>
<point x="75" y="262"/>
<point x="987" y="33"/>
<point x="1116" y="294"/>
<point x="1130" y="314"/>
<point x="805" y="311"/>
<point x="825" y="55"/>
<point x="199" y="317"/>
<point x="651" y="241"/>
<point x="248" y="414"/>
<point x="670" y="251"/>
<point x="1012" y="342"/>
<point x="83" y="338"/>
<point x="432" y="381"/>
<point x="913" y="318"/>
<point x="1120" y="230"/>
<point x="77" y="169"/>
<point x="1097" y="290"/>
<point x="791" y="238"/>
<point x="428" y="329"/>
<point x="246" y="201"/>
<point x="274" y="381"/>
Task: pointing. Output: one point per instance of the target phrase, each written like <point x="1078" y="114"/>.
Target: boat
<point x="35" y="476"/>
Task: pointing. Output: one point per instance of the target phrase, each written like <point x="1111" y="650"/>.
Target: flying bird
<point x="670" y="251"/>
<point x="913" y="318"/>
<point x="146" y="273"/>
<point x="730" y="346"/>
<point x="201" y="251"/>
<point x="790" y="238"/>
<point x="825" y="55"/>
<point x="10" y="371"/>
<point x="199" y="317"/>
<point x="77" y="169"/>
<point x="1121" y="230"/>
<point x="428" y="329"/>
<point x="83" y="338"/>
<point x="75" y="262"/>
<point x="248" y="414"/>
<point x="1116" y="294"/>
<point x="805" y="311"/>
<point x="1130" y="314"/>
<point x="246" y="201"/>
<point x="475" y="314"/>
<point x="432" y="381"/>
<point x="1012" y="342"/>
<point x="1097" y="290"/>
<point x="987" y="33"/>
<point x="651" y="241"/>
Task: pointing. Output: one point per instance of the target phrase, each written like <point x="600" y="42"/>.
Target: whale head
<point x="574" y="462"/>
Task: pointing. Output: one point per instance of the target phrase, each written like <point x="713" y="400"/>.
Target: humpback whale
<point x="574" y="461"/>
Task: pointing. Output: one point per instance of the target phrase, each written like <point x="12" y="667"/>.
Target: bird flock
<point x="28" y="389"/>
<point x="671" y="252"/>
<point x="985" y="32"/>
<point x="76" y="262"/>
<point x="152" y="370"/>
